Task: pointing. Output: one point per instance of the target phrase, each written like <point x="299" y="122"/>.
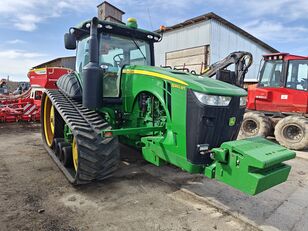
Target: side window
<point x="82" y="54"/>
<point x="298" y="75"/>
<point x="111" y="58"/>
<point x="276" y="77"/>
<point x="266" y="74"/>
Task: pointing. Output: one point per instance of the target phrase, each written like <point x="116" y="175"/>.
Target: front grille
<point x="209" y="125"/>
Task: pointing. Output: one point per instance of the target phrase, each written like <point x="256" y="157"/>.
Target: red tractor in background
<point x="278" y="104"/>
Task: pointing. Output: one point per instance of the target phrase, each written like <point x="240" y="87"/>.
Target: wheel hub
<point x="250" y="127"/>
<point x="293" y="132"/>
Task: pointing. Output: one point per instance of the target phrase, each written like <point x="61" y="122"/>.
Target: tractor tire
<point x="292" y="132"/>
<point x="255" y="124"/>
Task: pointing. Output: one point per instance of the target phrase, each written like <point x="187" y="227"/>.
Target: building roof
<point x="53" y="60"/>
<point x="211" y="15"/>
<point x="111" y="6"/>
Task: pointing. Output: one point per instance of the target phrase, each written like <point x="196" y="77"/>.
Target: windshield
<point x="298" y="75"/>
<point x="271" y="74"/>
<point x="116" y="51"/>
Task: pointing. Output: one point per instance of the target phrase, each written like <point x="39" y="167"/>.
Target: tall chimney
<point x="109" y="12"/>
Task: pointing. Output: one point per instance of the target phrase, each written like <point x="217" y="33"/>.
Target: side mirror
<point x="70" y="41"/>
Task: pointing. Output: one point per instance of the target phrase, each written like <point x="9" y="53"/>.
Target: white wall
<point x="187" y="37"/>
<point x="222" y="41"/>
<point x="225" y="40"/>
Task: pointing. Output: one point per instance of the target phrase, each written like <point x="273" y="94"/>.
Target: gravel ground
<point x="34" y="195"/>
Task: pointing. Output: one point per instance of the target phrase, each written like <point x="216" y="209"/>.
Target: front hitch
<point x="251" y="165"/>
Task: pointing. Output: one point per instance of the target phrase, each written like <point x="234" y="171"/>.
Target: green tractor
<point x="116" y="94"/>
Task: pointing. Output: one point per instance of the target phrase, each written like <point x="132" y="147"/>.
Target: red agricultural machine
<point x="278" y="104"/>
<point x="26" y="106"/>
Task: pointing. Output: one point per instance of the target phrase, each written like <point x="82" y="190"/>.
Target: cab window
<point x="298" y="75"/>
<point x="82" y="56"/>
<point x="115" y="52"/>
<point x="271" y="74"/>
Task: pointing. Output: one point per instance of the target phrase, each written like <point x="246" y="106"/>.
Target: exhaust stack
<point x="92" y="73"/>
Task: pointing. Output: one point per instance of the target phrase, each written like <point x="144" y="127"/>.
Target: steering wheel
<point x="118" y="59"/>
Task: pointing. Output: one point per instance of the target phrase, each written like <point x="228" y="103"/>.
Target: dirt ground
<point x="34" y="195"/>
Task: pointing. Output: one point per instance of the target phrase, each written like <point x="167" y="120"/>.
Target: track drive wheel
<point x="52" y="123"/>
<point x="292" y="132"/>
<point x="255" y="124"/>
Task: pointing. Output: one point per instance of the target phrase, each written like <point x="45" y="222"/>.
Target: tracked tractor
<point x="117" y="95"/>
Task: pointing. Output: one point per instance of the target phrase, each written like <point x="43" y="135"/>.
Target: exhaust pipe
<point x="92" y="73"/>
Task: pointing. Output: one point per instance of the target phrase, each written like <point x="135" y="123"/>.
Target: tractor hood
<point x="198" y="83"/>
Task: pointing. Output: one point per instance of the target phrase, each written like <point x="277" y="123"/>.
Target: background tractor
<point x="278" y="104"/>
<point x="116" y="94"/>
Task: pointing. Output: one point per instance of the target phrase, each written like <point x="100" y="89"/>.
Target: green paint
<point x="127" y="131"/>
<point x="251" y="165"/>
<point x="68" y="136"/>
<point x="232" y="121"/>
<point x="152" y="118"/>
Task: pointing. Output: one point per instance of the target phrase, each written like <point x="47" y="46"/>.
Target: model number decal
<point x="177" y="86"/>
<point x="284" y="96"/>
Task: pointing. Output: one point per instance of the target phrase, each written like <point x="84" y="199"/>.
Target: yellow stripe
<point x="158" y="75"/>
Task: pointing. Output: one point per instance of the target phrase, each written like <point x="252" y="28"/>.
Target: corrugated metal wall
<point x="221" y="40"/>
<point x="225" y="40"/>
<point x="186" y="37"/>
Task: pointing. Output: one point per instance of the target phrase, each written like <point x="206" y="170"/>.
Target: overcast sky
<point x="31" y="31"/>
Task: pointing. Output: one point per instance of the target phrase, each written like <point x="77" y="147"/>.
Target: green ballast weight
<point x="251" y="165"/>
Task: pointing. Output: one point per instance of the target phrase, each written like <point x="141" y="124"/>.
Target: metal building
<point x="203" y="40"/>
<point x="68" y="62"/>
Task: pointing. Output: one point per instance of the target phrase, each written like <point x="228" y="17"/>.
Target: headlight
<point x="243" y="101"/>
<point x="213" y="100"/>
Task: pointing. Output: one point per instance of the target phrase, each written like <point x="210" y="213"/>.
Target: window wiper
<point x="138" y="48"/>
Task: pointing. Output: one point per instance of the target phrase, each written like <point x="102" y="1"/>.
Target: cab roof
<point x="83" y="29"/>
<point x="284" y="56"/>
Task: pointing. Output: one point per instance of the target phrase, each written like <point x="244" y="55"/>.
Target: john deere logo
<point x="232" y="121"/>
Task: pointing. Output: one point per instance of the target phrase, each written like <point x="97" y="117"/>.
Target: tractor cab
<point x="282" y="83"/>
<point x="118" y="45"/>
<point x="274" y="69"/>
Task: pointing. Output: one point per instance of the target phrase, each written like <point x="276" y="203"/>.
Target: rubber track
<point x="98" y="157"/>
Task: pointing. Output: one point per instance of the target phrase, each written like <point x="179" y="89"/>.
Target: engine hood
<point x="198" y="83"/>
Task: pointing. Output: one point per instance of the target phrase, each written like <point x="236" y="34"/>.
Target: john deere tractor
<point x="116" y="94"/>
